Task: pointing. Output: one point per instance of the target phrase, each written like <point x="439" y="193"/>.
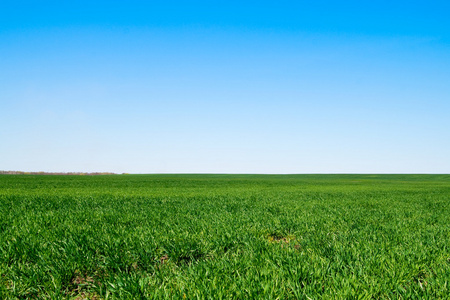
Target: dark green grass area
<point x="225" y="236"/>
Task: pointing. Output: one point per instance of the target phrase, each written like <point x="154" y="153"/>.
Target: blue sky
<point x="225" y="86"/>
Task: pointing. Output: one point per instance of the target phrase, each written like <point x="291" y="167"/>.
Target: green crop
<point x="225" y="237"/>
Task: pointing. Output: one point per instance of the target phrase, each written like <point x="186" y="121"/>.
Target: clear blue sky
<point x="225" y="86"/>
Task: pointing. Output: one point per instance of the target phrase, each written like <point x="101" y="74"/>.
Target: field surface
<point x="225" y="236"/>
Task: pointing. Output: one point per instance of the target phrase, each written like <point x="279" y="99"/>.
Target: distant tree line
<point x="54" y="173"/>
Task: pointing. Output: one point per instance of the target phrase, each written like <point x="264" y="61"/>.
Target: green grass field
<point x="225" y="236"/>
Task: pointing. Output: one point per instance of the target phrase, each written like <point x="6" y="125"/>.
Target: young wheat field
<point x="225" y="237"/>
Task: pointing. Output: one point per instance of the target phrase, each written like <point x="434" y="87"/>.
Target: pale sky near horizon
<point x="229" y="87"/>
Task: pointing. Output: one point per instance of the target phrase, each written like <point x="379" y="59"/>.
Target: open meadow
<point x="225" y="236"/>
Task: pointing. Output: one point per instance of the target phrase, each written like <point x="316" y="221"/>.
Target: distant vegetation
<point x="225" y="237"/>
<point x="53" y="173"/>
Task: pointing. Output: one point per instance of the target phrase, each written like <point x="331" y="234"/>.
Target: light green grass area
<point x="225" y="236"/>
